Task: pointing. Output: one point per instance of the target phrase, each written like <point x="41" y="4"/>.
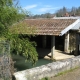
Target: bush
<point x="46" y="78"/>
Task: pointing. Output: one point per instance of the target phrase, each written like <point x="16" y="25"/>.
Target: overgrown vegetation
<point x="46" y="78"/>
<point x="11" y="14"/>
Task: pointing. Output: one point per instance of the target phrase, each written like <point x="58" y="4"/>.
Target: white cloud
<point x="40" y="8"/>
<point x="30" y="6"/>
<point x="48" y="8"/>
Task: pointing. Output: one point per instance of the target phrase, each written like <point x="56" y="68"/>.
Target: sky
<point x="47" y="6"/>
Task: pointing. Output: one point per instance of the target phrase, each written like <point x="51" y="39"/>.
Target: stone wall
<point x="5" y="61"/>
<point x="5" y="68"/>
<point x="48" y="70"/>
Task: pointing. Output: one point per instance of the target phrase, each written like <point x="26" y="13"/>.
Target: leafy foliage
<point x="9" y="15"/>
<point x="46" y="78"/>
<point x="24" y="47"/>
<point x="22" y="28"/>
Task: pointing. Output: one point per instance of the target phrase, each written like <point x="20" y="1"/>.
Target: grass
<point x="64" y="72"/>
<point x="61" y="73"/>
<point x="46" y="78"/>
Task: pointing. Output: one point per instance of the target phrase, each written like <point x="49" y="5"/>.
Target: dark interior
<point x="59" y="42"/>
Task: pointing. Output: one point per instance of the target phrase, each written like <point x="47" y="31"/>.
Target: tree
<point x="78" y="11"/>
<point x="61" y="12"/>
<point x="9" y="15"/>
<point x="73" y="11"/>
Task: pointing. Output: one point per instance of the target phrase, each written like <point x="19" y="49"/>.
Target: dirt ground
<point x="72" y="75"/>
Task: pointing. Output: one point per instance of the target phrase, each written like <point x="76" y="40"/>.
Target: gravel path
<point x="73" y="75"/>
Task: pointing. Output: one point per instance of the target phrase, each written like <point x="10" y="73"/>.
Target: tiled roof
<point x="45" y="26"/>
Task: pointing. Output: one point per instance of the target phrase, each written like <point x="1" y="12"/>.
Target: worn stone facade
<point x="6" y="63"/>
<point x="48" y="70"/>
<point x="5" y="68"/>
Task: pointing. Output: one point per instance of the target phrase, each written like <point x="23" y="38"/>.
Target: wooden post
<point x="52" y="46"/>
<point x="44" y="41"/>
<point x="66" y="43"/>
<point x="77" y="45"/>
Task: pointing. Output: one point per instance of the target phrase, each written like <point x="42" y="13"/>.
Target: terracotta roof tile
<point x="46" y="26"/>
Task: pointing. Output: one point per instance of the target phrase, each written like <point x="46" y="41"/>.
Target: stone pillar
<point x="44" y="41"/>
<point x="52" y="46"/>
<point x="66" y="43"/>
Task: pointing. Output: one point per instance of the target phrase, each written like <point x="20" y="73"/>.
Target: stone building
<point x="51" y="33"/>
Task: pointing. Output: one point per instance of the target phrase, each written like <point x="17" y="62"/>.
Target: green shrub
<point x="46" y="78"/>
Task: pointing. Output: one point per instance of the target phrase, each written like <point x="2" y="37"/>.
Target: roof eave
<point x="69" y="27"/>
